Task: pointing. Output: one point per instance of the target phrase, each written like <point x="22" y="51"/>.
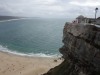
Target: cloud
<point x="90" y="3"/>
<point x="48" y="8"/>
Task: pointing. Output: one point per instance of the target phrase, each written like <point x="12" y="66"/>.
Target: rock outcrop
<point x="81" y="51"/>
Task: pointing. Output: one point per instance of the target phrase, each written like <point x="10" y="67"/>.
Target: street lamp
<point x="96" y="9"/>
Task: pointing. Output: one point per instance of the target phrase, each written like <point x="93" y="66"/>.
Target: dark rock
<point x="81" y="51"/>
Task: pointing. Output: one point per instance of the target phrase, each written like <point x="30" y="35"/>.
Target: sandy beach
<point x="21" y="65"/>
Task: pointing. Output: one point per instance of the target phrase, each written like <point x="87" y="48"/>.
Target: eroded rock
<point x="81" y="51"/>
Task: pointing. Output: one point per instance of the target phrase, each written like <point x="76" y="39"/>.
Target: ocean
<point x="32" y="37"/>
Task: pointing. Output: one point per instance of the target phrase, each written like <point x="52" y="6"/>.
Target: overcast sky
<point x="49" y="8"/>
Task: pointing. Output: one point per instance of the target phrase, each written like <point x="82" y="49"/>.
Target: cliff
<point x="81" y="51"/>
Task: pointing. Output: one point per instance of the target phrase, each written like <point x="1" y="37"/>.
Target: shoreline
<point x="31" y="56"/>
<point x="11" y="64"/>
<point x="6" y="50"/>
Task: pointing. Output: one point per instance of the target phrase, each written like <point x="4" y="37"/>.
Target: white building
<point x="82" y="19"/>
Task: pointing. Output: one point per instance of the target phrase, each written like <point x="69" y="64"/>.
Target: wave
<point x="6" y="50"/>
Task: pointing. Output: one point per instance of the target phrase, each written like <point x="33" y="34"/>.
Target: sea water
<point x="32" y="37"/>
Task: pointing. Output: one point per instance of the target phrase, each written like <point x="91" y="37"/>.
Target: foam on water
<point x="5" y="49"/>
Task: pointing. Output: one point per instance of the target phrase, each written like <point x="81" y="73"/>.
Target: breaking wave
<point x="6" y="50"/>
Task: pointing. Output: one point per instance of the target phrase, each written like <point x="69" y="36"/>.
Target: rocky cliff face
<point x="81" y="51"/>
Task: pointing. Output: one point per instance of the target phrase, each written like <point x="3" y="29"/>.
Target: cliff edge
<point x="81" y="51"/>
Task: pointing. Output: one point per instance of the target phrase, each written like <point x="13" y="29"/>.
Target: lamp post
<point x="96" y="9"/>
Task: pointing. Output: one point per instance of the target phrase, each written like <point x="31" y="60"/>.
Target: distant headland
<point x="9" y="17"/>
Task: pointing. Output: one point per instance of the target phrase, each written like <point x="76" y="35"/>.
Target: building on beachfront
<point x="82" y="19"/>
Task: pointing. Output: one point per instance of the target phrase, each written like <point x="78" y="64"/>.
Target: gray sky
<point x="49" y="8"/>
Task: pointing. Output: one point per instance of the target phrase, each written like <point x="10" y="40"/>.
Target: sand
<point x="20" y="65"/>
